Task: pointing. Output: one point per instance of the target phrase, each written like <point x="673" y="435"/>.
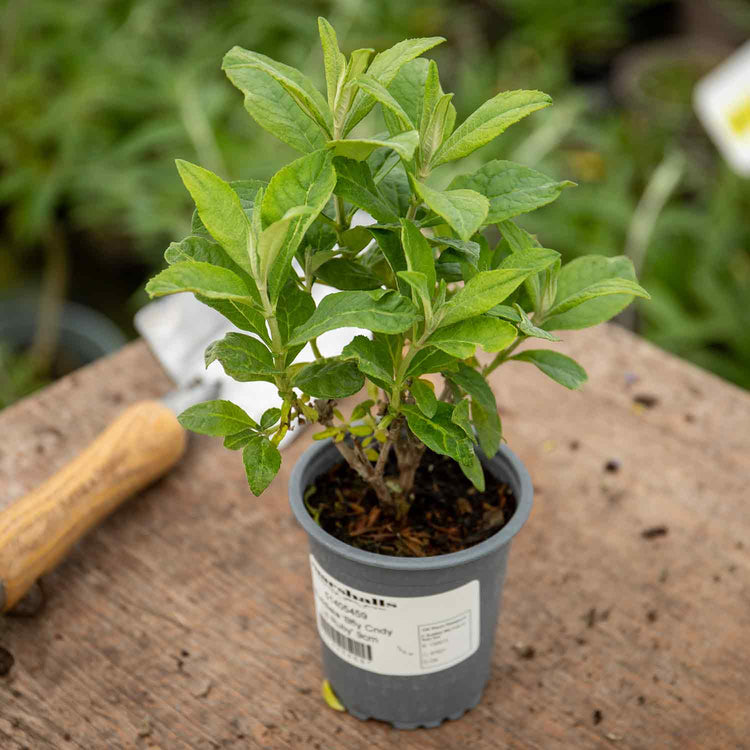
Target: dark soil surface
<point x="447" y="513"/>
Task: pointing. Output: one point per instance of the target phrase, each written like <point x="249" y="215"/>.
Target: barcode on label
<point x="362" y="650"/>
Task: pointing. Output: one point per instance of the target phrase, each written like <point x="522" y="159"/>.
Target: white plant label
<point x="722" y="102"/>
<point x="396" y="635"/>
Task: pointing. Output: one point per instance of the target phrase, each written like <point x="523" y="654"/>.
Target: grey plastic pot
<point x="351" y="584"/>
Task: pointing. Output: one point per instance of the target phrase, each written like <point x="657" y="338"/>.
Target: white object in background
<point x="722" y="102"/>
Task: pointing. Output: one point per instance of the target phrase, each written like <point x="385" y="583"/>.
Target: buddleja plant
<point x="423" y="278"/>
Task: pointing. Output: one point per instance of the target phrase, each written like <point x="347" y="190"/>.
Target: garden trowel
<point x="140" y="446"/>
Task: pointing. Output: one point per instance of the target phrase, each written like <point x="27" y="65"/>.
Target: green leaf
<point x="355" y="239"/>
<point x="347" y="275"/>
<point x="408" y="88"/>
<point x="602" y="288"/>
<point x="512" y="189"/>
<point x="309" y="182"/>
<point x="418" y="253"/>
<point x="581" y="273"/>
<point x="490" y="288"/>
<point x="262" y="463"/>
<point x="201" y="278"/>
<point x="461" y="339"/>
<point x="527" y="327"/>
<point x="483" y="407"/>
<point x="330" y="379"/>
<point x="474" y="472"/>
<point x="520" y="241"/>
<point x="396" y="190"/>
<point x="506" y="312"/>
<point x="273" y="238"/>
<point x="381" y="310"/>
<point x="218" y="418"/>
<point x="200" y="248"/>
<point x="243" y="358"/>
<point x="560" y="368"/>
<point x="383" y="69"/>
<point x="371" y="86"/>
<point x="373" y="358"/>
<point x="404" y="144"/>
<point x="333" y="61"/>
<point x="296" y="84"/>
<point x="393" y="251"/>
<point x="271" y="106"/>
<point x="438" y="127"/>
<point x="354" y="183"/>
<point x="220" y="210"/>
<point x="270" y="417"/>
<point x="424" y="395"/>
<point x="464" y="210"/>
<point x="460" y="417"/>
<point x="438" y="432"/>
<point x="431" y="359"/>
<point x="296" y="310"/>
<point x="489" y="121"/>
<point x="239" y="440"/>
<point x="418" y="282"/>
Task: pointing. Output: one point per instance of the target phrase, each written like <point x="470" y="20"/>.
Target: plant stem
<point x="502" y="356"/>
<point x="316" y="350"/>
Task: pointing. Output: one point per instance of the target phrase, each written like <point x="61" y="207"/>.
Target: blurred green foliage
<point x="99" y="97"/>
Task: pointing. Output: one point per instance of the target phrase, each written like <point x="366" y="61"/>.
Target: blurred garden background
<point x="99" y="97"/>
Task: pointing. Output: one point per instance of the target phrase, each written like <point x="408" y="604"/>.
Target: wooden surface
<point x="185" y="620"/>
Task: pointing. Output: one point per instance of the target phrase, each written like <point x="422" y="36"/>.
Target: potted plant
<point x="411" y="502"/>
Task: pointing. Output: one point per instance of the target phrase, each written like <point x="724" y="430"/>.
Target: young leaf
<point x="437" y="127"/>
<point x="404" y="144"/>
<point x="271" y="106"/>
<point x="603" y="288"/>
<point x="419" y="255"/>
<point x="506" y="312"/>
<point x="201" y="248"/>
<point x="297" y="85"/>
<point x="468" y="249"/>
<point x="460" y="417"/>
<point x="358" y="62"/>
<point x="474" y="472"/>
<point x="262" y="463"/>
<point x="205" y="279"/>
<point x="438" y="432"/>
<point x="368" y="84"/>
<point x="418" y="282"/>
<point x="490" y="288"/>
<point x="330" y="379"/>
<point x="308" y="182"/>
<point x="512" y="189"/>
<point x="373" y="359"/>
<point x="381" y="310"/>
<point x="218" y="418"/>
<point x="333" y="61"/>
<point x="272" y="239"/>
<point x="220" y="210"/>
<point x="270" y="417"/>
<point x="464" y="210"/>
<point x="487" y="122"/>
<point x="583" y="272"/>
<point x="354" y="183"/>
<point x="461" y="339"/>
<point x="424" y="395"/>
<point x="483" y="408"/>
<point x="520" y="241"/>
<point x="560" y="368"/>
<point x="243" y="358"/>
<point x="383" y="69"/>
<point x="527" y="327"/>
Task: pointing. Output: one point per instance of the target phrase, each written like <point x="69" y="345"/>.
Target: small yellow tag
<point x="739" y="116"/>
<point x="330" y="697"/>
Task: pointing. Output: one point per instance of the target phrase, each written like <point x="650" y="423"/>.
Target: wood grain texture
<point x="38" y="529"/>
<point x="185" y="619"/>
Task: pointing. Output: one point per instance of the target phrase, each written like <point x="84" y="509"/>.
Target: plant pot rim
<point x="505" y="458"/>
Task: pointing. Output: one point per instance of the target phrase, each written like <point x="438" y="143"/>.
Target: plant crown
<point x="422" y="277"/>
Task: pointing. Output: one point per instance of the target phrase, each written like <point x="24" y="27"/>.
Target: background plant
<point x="423" y="278"/>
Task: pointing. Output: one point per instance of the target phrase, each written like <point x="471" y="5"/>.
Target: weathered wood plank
<point x="185" y="621"/>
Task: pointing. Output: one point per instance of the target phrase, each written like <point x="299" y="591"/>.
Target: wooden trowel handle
<point x="37" y="530"/>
